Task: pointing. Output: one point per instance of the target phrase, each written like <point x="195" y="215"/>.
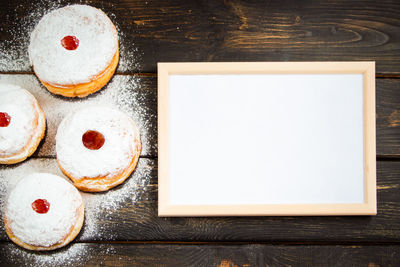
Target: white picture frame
<point x="192" y="95"/>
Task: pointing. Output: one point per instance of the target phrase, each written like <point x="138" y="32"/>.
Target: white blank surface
<point x="266" y="139"/>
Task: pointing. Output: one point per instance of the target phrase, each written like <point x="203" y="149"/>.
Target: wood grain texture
<point x="232" y="30"/>
<point x="133" y="214"/>
<point x="89" y="254"/>
<point x="137" y="96"/>
<point x="134" y="95"/>
<point x="388" y="117"/>
<point x="223" y="30"/>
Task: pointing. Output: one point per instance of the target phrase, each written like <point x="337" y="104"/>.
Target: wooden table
<point x="129" y="232"/>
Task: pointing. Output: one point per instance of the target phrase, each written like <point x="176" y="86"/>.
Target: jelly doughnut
<point x="22" y="124"/>
<point x="74" y="50"/>
<point x="43" y="212"/>
<point x="97" y="147"/>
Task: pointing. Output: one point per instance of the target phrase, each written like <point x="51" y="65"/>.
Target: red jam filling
<point x="41" y="206"/>
<point x="4" y="119"/>
<point x="93" y="140"/>
<point x="70" y="42"/>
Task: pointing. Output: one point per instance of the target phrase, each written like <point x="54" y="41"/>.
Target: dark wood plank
<point x="89" y="254"/>
<point x="235" y="30"/>
<point x="129" y="212"/>
<point x="136" y="96"/>
<point x="388" y="117"/>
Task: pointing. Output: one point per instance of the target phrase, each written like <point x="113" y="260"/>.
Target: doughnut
<point x="43" y="212"/>
<point x="74" y="50"/>
<point x="97" y="147"/>
<point x="22" y="124"/>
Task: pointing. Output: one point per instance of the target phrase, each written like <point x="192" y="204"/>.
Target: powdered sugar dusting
<point x="130" y="56"/>
<point x="14" y="50"/>
<point x="73" y="255"/>
<point x="100" y="208"/>
<point x="103" y="206"/>
<point x="140" y="103"/>
<point x="124" y="92"/>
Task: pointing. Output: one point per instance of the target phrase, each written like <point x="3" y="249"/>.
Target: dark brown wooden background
<point x="278" y="30"/>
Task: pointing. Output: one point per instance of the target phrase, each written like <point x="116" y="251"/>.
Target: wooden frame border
<point x="365" y="68"/>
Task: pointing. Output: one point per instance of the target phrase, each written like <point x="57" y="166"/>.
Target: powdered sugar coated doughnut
<point x="98" y="43"/>
<point x="36" y="229"/>
<point x="101" y="168"/>
<point x="27" y="124"/>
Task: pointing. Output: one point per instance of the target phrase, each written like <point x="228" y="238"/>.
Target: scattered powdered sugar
<point x="124" y="92"/>
<point x="76" y="254"/>
<point x="14" y="50"/>
<point x="102" y="207"/>
<point x="129" y="54"/>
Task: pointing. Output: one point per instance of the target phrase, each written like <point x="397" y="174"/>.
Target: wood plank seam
<point x="235" y="243"/>
<point x="154" y="74"/>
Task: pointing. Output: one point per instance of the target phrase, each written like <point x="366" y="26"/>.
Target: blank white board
<point x="264" y="141"/>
